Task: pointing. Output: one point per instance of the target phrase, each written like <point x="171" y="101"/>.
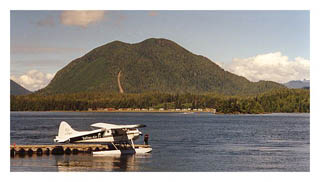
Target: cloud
<point x="153" y="13"/>
<point x="273" y="67"/>
<point x="33" y="79"/>
<point x="81" y="18"/>
<point x="118" y="20"/>
<point x="48" y="21"/>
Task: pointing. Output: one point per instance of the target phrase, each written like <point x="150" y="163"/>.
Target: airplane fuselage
<point x="108" y="136"/>
<point x="105" y="133"/>
<point x="101" y="135"/>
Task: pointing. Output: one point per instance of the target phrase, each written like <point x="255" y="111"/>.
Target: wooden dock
<point x="67" y="149"/>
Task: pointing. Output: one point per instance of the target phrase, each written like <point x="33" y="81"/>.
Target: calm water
<point x="180" y="142"/>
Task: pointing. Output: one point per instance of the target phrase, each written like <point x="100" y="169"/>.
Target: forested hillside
<point x="283" y="100"/>
<point x="153" y="65"/>
<point x="16" y="89"/>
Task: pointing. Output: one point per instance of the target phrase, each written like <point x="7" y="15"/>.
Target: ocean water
<point x="180" y="142"/>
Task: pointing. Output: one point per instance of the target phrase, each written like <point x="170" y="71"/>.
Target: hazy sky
<point x="260" y="45"/>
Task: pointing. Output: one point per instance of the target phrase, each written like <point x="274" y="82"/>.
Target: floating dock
<point x="67" y="149"/>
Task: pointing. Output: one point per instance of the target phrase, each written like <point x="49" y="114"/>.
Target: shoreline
<point x="154" y="111"/>
<point x="166" y="111"/>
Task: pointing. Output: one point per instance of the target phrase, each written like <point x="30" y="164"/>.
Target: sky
<point x="259" y="45"/>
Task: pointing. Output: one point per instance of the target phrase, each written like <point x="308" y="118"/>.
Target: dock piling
<point x="39" y="151"/>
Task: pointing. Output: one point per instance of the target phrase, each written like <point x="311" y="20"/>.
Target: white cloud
<point x="48" y="21"/>
<point x="33" y="79"/>
<point x="273" y="67"/>
<point x="81" y="18"/>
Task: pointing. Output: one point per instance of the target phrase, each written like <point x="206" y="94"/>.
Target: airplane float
<point x="105" y="133"/>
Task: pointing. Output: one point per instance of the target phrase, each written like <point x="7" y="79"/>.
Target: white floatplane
<point x="120" y="136"/>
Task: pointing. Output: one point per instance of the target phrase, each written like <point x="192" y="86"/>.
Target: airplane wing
<point x="113" y="126"/>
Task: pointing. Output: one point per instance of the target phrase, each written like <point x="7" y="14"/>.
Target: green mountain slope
<point x="16" y="89"/>
<point x="154" y="65"/>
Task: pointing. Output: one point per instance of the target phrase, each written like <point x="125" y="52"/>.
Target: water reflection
<point x="85" y="162"/>
<point x="32" y="163"/>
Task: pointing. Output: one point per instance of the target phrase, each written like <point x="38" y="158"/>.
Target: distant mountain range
<point x="153" y="65"/>
<point x="298" y="84"/>
<point x="16" y="89"/>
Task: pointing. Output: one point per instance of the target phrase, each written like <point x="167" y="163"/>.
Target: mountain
<point x="153" y="65"/>
<point x="16" y="89"/>
<point x="298" y="84"/>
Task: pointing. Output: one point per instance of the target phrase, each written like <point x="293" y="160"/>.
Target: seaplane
<point x="120" y="136"/>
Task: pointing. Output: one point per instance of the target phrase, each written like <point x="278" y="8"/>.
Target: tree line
<point x="281" y="100"/>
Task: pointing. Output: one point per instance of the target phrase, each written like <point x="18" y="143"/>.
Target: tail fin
<point x="65" y="130"/>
